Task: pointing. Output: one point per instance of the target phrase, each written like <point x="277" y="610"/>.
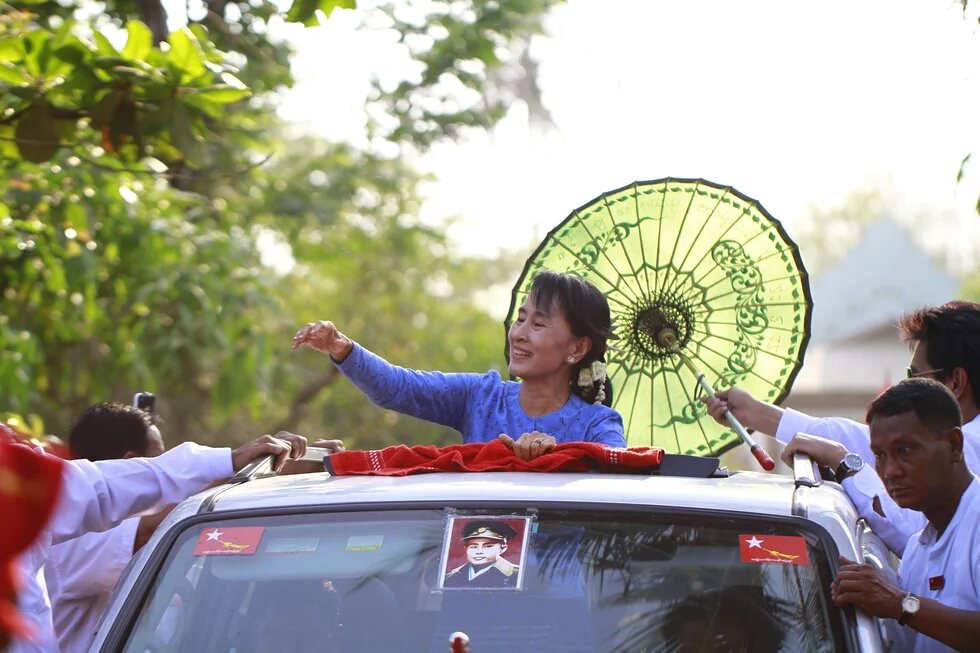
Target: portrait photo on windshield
<point x="484" y="552"/>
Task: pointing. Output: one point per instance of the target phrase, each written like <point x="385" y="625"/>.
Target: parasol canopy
<point x="697" y="275"/>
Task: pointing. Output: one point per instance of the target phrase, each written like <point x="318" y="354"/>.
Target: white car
<point x="686" y="559"/>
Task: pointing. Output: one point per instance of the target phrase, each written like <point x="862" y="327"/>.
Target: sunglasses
<point x="911" y="373"/>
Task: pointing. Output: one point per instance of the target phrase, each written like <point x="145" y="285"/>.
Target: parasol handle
<point x="760" y="454"/>
<point x="668" y="338"/>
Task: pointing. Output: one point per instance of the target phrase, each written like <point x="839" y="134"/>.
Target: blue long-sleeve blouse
<point x="479" y="406"/>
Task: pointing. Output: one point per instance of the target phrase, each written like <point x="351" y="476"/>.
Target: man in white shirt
<point x="918" y="447"/>
<point x="945" y="343"/>
<point x="97" y="496"/>
<point x="80" y="573"/>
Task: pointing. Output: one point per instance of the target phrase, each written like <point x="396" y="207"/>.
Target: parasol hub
<point x="667" y="338"/>
<point x="653" y="318"/>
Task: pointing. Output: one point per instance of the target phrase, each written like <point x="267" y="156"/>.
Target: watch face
<point x="910" y="603"/>
<point x="852" y="462"/>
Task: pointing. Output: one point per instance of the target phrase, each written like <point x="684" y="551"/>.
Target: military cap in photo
<point x="488" y="529"/>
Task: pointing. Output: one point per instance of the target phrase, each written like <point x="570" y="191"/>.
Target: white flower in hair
<point x="598" y="371"/>
<point x="595" y="373"/>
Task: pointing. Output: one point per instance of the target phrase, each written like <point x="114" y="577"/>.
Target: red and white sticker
<point x="240" y="540"/>
<point x="780" y="549"/>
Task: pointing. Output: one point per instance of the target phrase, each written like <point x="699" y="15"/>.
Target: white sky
<point x="791" y="103"/>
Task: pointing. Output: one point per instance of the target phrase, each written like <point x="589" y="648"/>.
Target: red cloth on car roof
<point x="495" y="456"/>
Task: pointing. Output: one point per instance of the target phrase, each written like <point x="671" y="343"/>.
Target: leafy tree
<point x="363" y="259"/>
<point x="141" y="175"/>
<point x="113" y="281"/>
<point x="474" y="65"/>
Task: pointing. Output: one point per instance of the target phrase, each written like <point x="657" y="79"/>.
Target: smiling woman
<point x="557" y="348"/>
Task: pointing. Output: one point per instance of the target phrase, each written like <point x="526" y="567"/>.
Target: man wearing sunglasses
<point x="945" y="343"/>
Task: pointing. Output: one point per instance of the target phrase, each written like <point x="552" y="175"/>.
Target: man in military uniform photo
<point x="486" y="542"/>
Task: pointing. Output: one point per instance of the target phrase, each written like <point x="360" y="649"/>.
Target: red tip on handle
<point x="459" y="643"/>
<point x="763" y="458"/>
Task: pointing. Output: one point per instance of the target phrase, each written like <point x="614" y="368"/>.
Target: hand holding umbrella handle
<point x="668" y="338"/>
<point x="760" y="454"/>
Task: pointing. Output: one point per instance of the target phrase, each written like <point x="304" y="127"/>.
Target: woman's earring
<point x="571" y="360"/>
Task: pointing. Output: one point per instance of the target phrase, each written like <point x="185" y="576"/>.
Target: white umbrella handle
<point x="669" y="339"/>
<point x="760" y="454"/>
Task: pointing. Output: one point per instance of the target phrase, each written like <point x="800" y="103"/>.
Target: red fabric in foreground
<point x="29" y="486"/>
<point x="402" y="460"/>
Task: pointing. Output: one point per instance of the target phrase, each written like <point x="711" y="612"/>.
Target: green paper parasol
<point x="700" y="280"/>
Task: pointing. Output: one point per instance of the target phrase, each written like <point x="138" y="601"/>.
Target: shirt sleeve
<point x="433" y="396"/>
<point x="90" y="565"/>
<point x="849" y="433"/>
<point x="608" y="430"/>
<point x="97" y="496"/>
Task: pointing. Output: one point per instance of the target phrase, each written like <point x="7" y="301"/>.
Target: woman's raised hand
<point x="324" y="337"/>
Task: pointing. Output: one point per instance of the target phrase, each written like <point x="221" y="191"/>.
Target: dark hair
<point x="587" y="313"/>
<point x="951" y="333"/>
<point x="108" y="430"/>
<point x="930" y="400"/>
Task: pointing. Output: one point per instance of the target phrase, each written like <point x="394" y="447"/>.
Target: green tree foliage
<point x="141" y="175"/>
<point x="113" y="281"/>
<point x="65" y="91"/>
<point x="470" y="70"/>
<point x="364" y="261"/>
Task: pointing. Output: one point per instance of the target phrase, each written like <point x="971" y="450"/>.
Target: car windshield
<point x="512" y="580"/>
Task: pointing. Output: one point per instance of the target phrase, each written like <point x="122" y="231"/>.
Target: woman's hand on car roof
<point x="530" y="445"/>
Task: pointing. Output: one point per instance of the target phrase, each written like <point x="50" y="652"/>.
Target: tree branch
<point x="301" y="404"/>
<point x="154" y="15"/>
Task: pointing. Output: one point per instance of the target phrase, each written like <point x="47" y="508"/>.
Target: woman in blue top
<point x="557" y="349"/>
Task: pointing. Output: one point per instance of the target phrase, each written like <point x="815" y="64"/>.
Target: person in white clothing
<point x="945" y="342"/>
<point x="98" y="496"/>
<point x="80" y="573"/>
<point x="918" y="448"/>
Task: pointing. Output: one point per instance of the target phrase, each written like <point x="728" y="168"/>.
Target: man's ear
<point x="503" y="547"/>
<point x="954" y="437"/>
<point x="959" y="382"/>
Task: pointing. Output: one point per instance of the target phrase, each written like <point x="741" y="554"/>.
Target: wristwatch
<point x="910" y="606"/>
<point x="850" y="466"/>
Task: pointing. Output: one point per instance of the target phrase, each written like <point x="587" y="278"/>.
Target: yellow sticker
<point x="364" y="542"/>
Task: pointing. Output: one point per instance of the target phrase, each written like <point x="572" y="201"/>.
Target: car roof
<point x="742" y="492"/>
